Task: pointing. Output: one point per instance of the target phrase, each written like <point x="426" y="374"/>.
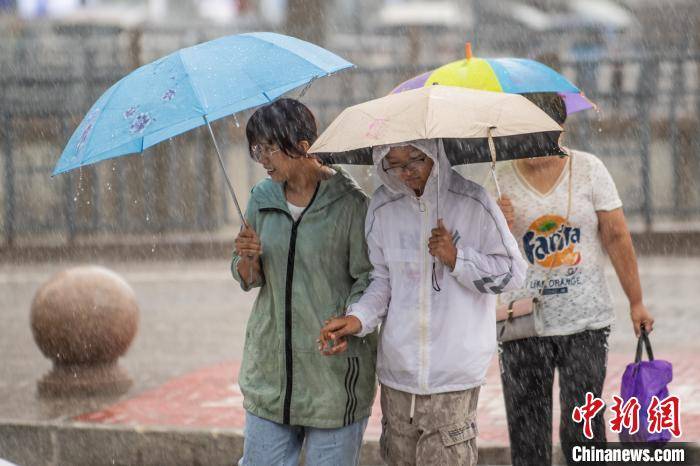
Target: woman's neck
<point x="542" y="166"/>
<point x="306" y="177"/>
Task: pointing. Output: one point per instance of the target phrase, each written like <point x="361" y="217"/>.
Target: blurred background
<point x="639" y="60"/>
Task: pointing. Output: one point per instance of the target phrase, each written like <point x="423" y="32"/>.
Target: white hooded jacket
<point x="435" y="341"/>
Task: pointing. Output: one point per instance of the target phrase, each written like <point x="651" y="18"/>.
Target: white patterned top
<point x="576" y="295"/>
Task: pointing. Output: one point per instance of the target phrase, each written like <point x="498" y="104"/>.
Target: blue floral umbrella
<point x="193" y="87"/>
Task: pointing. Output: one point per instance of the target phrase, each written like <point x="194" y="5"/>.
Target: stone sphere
<point x="84" y="315"/>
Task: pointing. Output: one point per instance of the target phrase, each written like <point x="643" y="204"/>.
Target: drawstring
<point x="413" y="408"/>
<point x="436" y="284"/>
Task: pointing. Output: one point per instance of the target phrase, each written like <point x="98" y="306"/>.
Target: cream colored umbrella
<point x="475" y="126"/>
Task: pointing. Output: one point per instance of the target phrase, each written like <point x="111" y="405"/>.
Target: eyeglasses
<point x="258" y="151"/>
<point x="412" y="165"/>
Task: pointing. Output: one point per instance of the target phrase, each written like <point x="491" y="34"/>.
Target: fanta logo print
<point x="551" y="242"/>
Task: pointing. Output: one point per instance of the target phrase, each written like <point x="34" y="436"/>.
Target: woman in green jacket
<point x="304" y="246"/>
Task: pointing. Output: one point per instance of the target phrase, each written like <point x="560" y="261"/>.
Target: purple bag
<point x="645" y="379"/>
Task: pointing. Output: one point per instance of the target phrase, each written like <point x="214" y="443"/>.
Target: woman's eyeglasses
<point x="257" y="152"/>
<point x="411" y="165"/>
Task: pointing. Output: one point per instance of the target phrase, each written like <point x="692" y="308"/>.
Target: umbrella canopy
<point x="511" y="75"/>
<point x="192" y="87"/>
<point x="475" y="126"/>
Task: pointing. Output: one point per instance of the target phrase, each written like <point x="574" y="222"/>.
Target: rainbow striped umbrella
<point x="511" y="75"/>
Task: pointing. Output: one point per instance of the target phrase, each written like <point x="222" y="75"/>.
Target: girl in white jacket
<point x="441" y="251"/>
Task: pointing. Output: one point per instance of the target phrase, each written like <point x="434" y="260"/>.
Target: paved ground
<point x="192" y="324"/>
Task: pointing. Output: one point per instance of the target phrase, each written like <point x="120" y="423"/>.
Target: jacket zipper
<point x="422" y="298"/>
<point x="288" y="356"/>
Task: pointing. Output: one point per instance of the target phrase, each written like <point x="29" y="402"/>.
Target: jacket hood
<point x="439" y="175"/>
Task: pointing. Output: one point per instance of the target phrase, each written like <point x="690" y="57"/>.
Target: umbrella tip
<point x="468" y="50"/>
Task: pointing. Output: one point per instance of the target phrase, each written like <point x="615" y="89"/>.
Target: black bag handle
<point x="643" y="341"/>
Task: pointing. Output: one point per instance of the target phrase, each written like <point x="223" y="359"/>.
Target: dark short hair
<point x="284" y="123"/>
<point x="551" y="103"/>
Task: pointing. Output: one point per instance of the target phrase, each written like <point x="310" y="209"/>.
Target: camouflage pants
<point x="443" y="430"/>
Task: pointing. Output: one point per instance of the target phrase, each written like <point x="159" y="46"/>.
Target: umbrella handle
<point x="228" y="180"/>
<point x="244" y="223"/>
<point x="495" y="180"/>
<point x="436" y="282"/>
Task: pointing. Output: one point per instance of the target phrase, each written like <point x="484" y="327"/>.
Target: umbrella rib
<point x="117" y="85"/>
<point x="273" y="45"/>
<point x="428" y="103"/>
<point x="245" y="71"/>
<point x="192" y="84"/>
<point x="325" y="73"/>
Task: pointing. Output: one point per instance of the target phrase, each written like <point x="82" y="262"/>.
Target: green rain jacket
<point x="313" y="269"/>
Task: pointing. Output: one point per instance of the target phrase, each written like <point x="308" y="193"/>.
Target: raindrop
<point x="80" y="184"/>
<point x="235" y="120"/>
<point x="136" y="201"/>
<point x="148" y="218"/>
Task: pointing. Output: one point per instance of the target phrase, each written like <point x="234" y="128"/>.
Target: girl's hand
<point x="248" y="244"/>
<point x="332" y="339"/>
<point x="441" y="246"/>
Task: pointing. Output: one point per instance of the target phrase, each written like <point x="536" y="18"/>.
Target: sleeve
<point x="497" y="266"/>
<point x="605" y="196"/>
<point x="359" y="265"/>
<point x="251" y="215"/>
<point x="373" y="305"/>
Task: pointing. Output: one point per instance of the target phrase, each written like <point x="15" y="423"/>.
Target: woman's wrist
<point x="636" y="302"/>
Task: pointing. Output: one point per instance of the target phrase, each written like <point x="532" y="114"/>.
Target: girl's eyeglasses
<point x="411" y="165"/>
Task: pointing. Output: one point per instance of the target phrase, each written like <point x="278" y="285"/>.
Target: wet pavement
<point x="191" y="331"/>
